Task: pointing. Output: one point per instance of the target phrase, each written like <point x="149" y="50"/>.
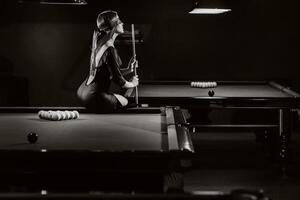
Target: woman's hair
<point x="106" y="24"/>
<point x="108" y="20"/>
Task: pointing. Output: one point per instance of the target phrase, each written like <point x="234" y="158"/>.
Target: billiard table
<point x="137" y="149"/>
<point x="266" y="96"/>
<point x="237" y="194"/>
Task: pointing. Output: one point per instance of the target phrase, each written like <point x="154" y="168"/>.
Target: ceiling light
<point x="64" y="2"/>
<point x="209" y="7"/>
<point x="55" y="2"/>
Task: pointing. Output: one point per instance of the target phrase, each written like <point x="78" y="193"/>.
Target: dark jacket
<point x="108" y="70"/>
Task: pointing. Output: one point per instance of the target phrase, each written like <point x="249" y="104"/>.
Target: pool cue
<point x="134" y="59"/>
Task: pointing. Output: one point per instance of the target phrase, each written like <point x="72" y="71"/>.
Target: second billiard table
<point x="138" y="149"/>
<point x="244" y="96"/>
<point x="226" y="94"/>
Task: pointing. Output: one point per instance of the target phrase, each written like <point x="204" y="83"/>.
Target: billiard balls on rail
<point x="211" y="93"/>
<point x="32" y="137"/>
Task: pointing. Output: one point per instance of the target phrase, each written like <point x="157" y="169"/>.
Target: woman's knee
<point x="123" y="101"/>
<point x="85" y="93"/>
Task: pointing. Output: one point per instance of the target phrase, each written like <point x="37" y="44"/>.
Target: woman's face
<point x="120" y="28"/>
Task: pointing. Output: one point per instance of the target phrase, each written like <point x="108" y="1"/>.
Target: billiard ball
<point x="32" y="137"/>
<point x="211" y="93"/>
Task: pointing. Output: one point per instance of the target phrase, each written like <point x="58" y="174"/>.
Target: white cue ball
<point x="68" y="113"/>
<point x="64" y="116"/>
<point x="73" y="115"/>
<point x="59" y="115"/>
<point x="45" y="115"/>
<point x="50" y="115"/>
<point x="40" y="113"/>
<point x="76" y="114"/>
<point x="54" y="116"/>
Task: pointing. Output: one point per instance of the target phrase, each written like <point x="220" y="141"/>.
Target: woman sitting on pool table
<point x="105" y="67"/>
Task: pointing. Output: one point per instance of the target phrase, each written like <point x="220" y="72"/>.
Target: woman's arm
<point x="130" y="68"/>
<point x="113" y="64"/>
<point x="126" y="71"/>
<point x="116" y="72"/>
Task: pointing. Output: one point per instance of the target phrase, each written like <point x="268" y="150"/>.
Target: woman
<point x="105" y="67"/>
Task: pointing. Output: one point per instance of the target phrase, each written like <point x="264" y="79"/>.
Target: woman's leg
<point x="86" y="93"/>
<point x="122" y="100"/>
<point x="109" y="102"/>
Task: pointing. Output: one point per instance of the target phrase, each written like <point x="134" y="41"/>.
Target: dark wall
<point x="50" y="45"/>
